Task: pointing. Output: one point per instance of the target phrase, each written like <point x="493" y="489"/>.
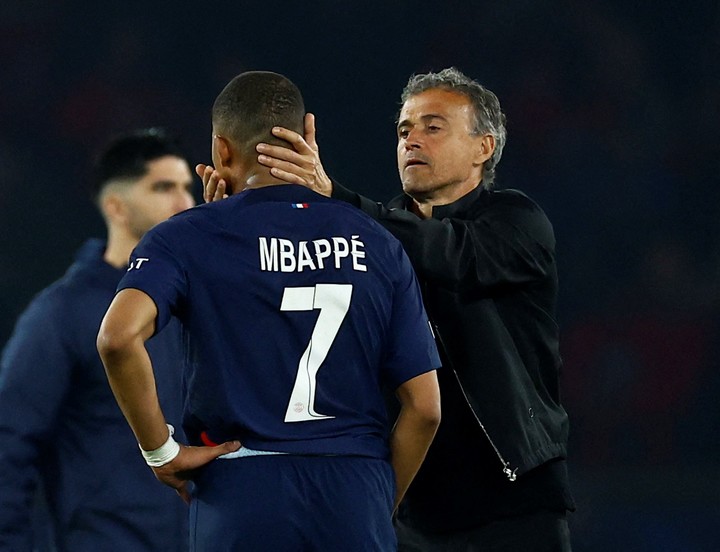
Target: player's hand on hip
<point x="301" y="165"/>
<point x="214" y="187"/>
<point x="177" y="473"/>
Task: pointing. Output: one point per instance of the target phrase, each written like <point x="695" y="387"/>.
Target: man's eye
<point x="403" y="133"/>
<point x="433" y="128"/>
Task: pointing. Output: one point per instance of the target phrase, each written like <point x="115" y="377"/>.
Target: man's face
<point x="164" y="191"/>
<point x="437" y="154"/>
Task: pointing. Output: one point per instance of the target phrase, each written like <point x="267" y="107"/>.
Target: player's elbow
<point x="420" y="397"/>
<point x="429" y="411"/>
<point x="128" y="322"/>
<point x="114" y="340"/>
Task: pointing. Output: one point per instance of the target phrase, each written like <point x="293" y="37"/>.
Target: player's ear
<point x="222" y="152"/>
<point x="113" y="206"/>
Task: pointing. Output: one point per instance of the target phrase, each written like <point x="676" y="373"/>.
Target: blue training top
<point x="297" y="308"/>
<point x="59" y="420"/>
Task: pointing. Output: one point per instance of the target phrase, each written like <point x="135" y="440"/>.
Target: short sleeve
<point x="411" y="345"/>
<point x="156" y="270"/>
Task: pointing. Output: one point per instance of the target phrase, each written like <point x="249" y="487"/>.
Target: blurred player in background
<point x="60" y="427"/>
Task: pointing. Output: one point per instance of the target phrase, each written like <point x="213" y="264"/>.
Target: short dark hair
<point x="489" y="118"/>
<point x="127" y="155"/>
<point x="253" y="103"/>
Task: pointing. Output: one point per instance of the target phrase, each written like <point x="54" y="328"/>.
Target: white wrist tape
<point x="164" y="454"/>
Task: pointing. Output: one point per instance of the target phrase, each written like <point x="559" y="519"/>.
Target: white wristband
<point x="164" y="454"/>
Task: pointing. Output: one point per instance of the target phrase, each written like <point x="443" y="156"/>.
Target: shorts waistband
<point x="244" y="452"/>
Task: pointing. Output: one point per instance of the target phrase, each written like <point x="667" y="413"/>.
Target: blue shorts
<point x="290" y="503"/>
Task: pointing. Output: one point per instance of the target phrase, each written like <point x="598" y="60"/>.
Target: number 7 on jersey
<point x="333" y="302"/>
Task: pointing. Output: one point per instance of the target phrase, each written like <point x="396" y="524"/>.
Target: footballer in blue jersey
<point x="298" y="310"/>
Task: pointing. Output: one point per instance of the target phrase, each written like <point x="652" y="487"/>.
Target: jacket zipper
<point x="507" y="470"/>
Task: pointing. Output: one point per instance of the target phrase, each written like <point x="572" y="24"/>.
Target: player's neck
<point x="119" y="247"/>
<point x="260" y="177"/>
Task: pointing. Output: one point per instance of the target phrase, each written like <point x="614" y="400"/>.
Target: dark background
<point x="613" y="114"/>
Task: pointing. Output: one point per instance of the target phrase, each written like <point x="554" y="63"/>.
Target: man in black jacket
<point x="496" y="477"/>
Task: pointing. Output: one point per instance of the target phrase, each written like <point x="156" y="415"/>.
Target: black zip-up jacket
<point x="487" y="267"/>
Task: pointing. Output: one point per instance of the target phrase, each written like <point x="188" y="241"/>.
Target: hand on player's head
<point x="300" y="165"/>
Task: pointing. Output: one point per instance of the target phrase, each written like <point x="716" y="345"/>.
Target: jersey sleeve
<point x="411" y="346"/>
<point x="156" y="270"/>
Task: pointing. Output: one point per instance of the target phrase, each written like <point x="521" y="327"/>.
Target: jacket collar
<point x="90" y="264"/>
<point x="443" y="211"/>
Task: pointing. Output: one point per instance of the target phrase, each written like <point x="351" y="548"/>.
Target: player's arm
<point x="128" y="323"/>
<point x="414" y="429"/>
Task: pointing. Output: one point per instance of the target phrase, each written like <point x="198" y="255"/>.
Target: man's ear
<point x="484" y="148"/>
<point x="113" y="207"/>
<point x="224" y="152"/>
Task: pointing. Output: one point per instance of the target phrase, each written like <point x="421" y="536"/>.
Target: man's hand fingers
<point x="214" y="187"/>
<point x="296" y="167"/>
<point x="297" y="141"/>
<point x="193" y="458"/>
<point x="310" y="131"/>
<point x="196" y="457"/>
<point x="290" y="178"/>
<point x="224" y="448"/>
<point x="204" y="172"/>
<point x="288" y="171"/>
<point x="220" y="190"/>
<point x="209" y="184"/>
<point x="275" y="153"/>
<point x="175" y="473"/>
<point x="183" y="492"/>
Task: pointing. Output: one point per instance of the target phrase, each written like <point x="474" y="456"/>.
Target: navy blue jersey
<point x="297" y="308"/>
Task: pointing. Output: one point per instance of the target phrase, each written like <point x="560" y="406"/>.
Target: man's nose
<point x="412" y="140"/>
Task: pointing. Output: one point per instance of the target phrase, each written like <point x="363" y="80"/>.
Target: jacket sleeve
<point x="511" y="243"/>
<point x="35" y="372"/>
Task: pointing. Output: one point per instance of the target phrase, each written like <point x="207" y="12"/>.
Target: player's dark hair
<point x="489" y="118"/>
<point x="253" y="103"/>
<point x="126" y="156"/>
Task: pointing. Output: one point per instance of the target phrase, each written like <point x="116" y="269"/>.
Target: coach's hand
<point x="301" y="166"/>
<point x="214" y="187"/>
<point x="177" y="473"/>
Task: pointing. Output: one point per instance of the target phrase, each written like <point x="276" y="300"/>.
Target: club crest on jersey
<point x="137" y="263"/>
<point x="300" y="205"/>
